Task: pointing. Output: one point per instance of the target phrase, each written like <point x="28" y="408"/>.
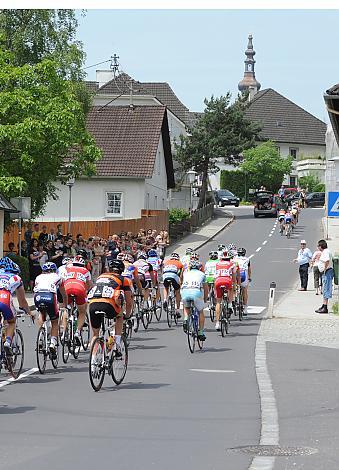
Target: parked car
<point x="223" y="197"/>
<point x="267" y="203"/>
<point x="295" y="196"/>
<point x="315" y="200"/>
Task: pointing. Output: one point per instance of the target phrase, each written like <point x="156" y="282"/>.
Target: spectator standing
<point x="36" y="232"/>
<point x="51" y="236"/>
<point x="70" y="251"/>
<point x="281" y="192"/>
<point x="43" y="237"/>
<point x="60" y="251"/>
<point x="28" y="235"/>
<point x="325" y="266"/>
<point x="59" y="231"/>
<point x="44" y="256"/>
<point x="34" y="264"/>
<point x="24" y="248"/>
<point x="11" y="249"/>
<point x="98" y="251"/>
<point x="316" y="273"/>
<point x="303" y="259"/>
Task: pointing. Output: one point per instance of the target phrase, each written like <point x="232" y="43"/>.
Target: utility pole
<point x="114" y="64"/>
<point x="131" y="94"/>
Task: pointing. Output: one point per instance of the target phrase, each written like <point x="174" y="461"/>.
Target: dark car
<point x="315" y="200"/>
<point x="292" y="197"/>
<point x="226" y="198"/>
<point x="267" y="204"/>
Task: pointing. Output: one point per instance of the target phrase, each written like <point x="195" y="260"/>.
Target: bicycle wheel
<point x="191" y="334"/>
<point x="158" y="310"/>
<point x="66" y="344"/>
<point x="136" y="310"/>
<point x="211" y="304"/>
<point x="168" y="313"/>
<point x="127" y="330"/>
<point x="17" y="361"/>
<point x="55" y="361"/>
<point x="240" y="307"/>
<point x="96" y="364"/>
<point x="41" y="350"/>
<point x="145" y="318"/>
<point x="172" y="311"/>
<point x="85" y="334"/>
<point x="119" y="365"/>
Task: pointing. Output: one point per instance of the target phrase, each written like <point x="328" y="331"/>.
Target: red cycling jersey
<point x="75" y="281"/>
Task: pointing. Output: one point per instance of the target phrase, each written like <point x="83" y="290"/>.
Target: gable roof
<point x="284" y="121"/>
<point x="6" y="206"/>
<point x="129" y="138"/>
<point x="160" y="90"/>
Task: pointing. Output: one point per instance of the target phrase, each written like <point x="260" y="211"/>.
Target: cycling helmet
<point x="233" y="253"/>
<point x="116" y="266"/>
<point x="121" y="256"/>
<point x="49" y="267"/>
<point x="66" y="260"/>
<point x="9" y="266"/>
<point x="225" y="255"/>
<point x="221" y="247"/>
<point x="232" y="247"/>
<point x="175" y="256"/>
<point x="188" y="251"/>
<point x="195" y="256"/>
<point x="152" y="253"/>
<point x="129" y="258"/>
<point x="194" y="264"/>
<point x="79" y="261"/>
<point x="141" y="255"/>
<point x="82" y="252"/>
<point x="213" y="255"/>
<point x="242" y="251"/>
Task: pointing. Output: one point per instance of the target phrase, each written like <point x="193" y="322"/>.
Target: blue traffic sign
<point x="333" y="204"/>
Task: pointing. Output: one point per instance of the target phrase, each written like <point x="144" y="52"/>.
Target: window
<point x="293" y="181"/>
<point x="113" y="204"/>
<point x="294" y="153"/>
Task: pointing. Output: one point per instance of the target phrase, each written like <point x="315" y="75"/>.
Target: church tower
<point x="249" y="82"/>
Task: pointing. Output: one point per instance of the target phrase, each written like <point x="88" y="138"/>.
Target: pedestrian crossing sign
<point x="333" y="204"/>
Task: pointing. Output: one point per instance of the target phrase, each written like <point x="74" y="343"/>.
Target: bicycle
<point x="211" y="302"/>
<point x="103" y="356"/>
<point x="141" y="314"/>
<point x="69" y="344"/>
<point x="43" y="342"/>
<point x="288" y="230"/>
<point x="239" y="303"/>
<point x="224" y="313"/>
<point x="170" y="310"/>
<point x="15" y="362"/>
<point x="156" y="304"/>
<point x="128" y="329"/>
<point x="193" y="328"/>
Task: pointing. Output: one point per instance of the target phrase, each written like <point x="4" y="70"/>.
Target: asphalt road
<point x="174" y="408"/>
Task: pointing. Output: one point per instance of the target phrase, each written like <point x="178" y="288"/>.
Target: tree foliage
<point x="265" y="166"/>
<point x="42" y="123"/>
<point x="222" y="132"/>
<point x="310" y="183"/>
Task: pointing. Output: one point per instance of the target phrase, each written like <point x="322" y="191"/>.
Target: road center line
<point x="214" y="371"/>
<point x="21" y="376"/>
<point x="264" y="243"/>
<point x="258" y="249"/>
<point x="270" y="234"/>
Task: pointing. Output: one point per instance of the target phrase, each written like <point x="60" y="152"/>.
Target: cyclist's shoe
<point x="178" y="314"/>
<point x="184" y="326"/>
<point x="118" y="353"/>
<point x="245" y="311"/>
<point x="165" y="304"/>
<point x="52" y="350"/>
<point x="201" y="336"/>
<point x="217" y="326"/>
<point x="8" y="348"/>
<point x="77" y="338"/>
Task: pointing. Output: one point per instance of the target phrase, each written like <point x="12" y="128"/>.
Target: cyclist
<point x="107" y="298"/>
<point x="45" y="291"/>
<point x="77" y="281"/>
<point x="155" y="261"/>
<point x="245" y="268"/>
<point x="131" y="272"/>
<point x="288" y="220"/>
<point x="210" y="268"/>
<point x="281" y="219"/>
<point x="172" y="274"/>
<point x="221" y="249"/>
<point x="185" y="260"/>
<point x="194" y="288"/>
<point x="145" y="274"/>
<point x="294" y="212"/>
<point x="11" y="282"/>
<point x="225" y="278"/>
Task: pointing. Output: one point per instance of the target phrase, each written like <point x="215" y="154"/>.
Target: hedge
<point x="177" y="215"/>
<point x="24" y="266"/>
<point x="234" y="181"/>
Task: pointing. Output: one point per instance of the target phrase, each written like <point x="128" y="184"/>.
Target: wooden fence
<point x="154" y="219"/>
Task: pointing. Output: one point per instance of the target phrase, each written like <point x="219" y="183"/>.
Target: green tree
<point x="309" y="182"/>
<point x="222" y="132"/>
<point x="265" y="166"/>
<point x="42" y="131"/>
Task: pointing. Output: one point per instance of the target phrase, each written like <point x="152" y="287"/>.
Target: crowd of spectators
<point x="39" y="246"/>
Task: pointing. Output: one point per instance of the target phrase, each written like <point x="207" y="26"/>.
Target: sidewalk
<point x="199" y="238"/>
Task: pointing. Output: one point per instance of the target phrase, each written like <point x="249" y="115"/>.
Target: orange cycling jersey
<point x="108" y="289"/>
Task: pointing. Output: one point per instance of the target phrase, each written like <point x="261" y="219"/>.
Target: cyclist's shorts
<point x="95" y="313"/>
<point x="49" y="301"/>
<point x="142" y="281"/>
<point x="194" y="295"/>
<point x="79" y="294"/>
<point x="222" y="283"/>
<point x="173" y="279"/>
<point x="59" y="297"/>
<point x="288" y="221"/>
<point x="6" y="307"/>
<point x="244" y="279"/>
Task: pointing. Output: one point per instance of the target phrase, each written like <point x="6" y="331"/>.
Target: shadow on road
<point x="13" y="410"/>
<point x="138" y="386"/>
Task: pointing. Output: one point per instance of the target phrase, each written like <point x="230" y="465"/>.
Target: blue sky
<point x="201" y="52"/>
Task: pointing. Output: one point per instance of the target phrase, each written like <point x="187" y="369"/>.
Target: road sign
<point x="333" y="204"/>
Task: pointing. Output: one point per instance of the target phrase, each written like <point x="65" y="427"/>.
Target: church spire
<point x="249" y="82"/>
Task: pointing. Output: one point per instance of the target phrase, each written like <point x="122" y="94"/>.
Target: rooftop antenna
<point x="114" y="64"/>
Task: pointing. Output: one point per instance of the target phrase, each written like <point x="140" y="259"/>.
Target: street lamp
<point x="191" y="178"/>
<point x="70" y="184"/>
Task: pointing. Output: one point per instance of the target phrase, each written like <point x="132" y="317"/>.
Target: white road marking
<point x="264" y="243"/>
<point x="213" y="371"/>
<point x="270" y="234"/>
<point x="255" y="309"/>
<point x="258" y="249"/>
<point x="251" y="256"/>
<point x="21" y="376"/>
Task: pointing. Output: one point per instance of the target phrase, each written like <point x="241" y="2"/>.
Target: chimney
<point x="104" y="76"/>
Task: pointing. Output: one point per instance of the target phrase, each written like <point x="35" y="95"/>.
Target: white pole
<point x="271" y="300"/>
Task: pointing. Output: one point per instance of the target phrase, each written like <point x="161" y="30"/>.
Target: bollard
<point x="273" y="286"/>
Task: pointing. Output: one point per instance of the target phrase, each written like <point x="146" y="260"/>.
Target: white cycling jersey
<point x="47" y="282"/>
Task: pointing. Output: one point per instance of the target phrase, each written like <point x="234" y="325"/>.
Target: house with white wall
<point x="134" y="174"/>
<point x="5" y="207"/>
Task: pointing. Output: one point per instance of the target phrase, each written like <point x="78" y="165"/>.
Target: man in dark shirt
<point x="59" y="250"/>
<point x="43" y="237"/>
